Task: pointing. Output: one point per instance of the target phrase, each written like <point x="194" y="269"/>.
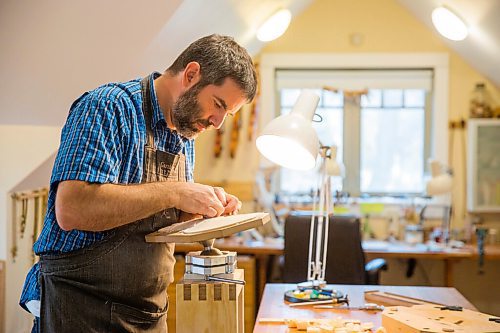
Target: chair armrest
<point x="373" y="268"/>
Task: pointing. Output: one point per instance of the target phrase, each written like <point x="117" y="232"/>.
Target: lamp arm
<point x="318" y="239"/>
<point x="321" y="217"/>
<point x="310" y="264"/>
<point x="327" y="225"/>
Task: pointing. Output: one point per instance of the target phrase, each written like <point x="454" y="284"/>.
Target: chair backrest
<point x="345" y="258"/>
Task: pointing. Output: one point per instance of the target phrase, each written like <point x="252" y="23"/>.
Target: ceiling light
<point x="449" y="24"/>
<point x="274" y="26"/>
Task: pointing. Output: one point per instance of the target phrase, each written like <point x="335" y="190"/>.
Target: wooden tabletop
<point x="374" y="249"/>
<point x="273" y="305"/>
<point x="275" y="247"/>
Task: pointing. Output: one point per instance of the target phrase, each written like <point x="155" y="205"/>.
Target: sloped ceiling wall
<point x="53" y="50"/>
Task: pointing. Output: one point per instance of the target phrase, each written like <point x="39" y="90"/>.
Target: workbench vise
<point x="211" y="264"/>
<point x="210" y="297"/>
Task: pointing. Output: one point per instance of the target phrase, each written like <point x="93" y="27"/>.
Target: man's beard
<point x="187" y="112"/>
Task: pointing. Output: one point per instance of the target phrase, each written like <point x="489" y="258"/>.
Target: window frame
<point x="436" y="117"/>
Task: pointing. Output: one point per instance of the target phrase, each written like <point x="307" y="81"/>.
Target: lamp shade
<point x="441" y="182"/>
<point x="290" y="140"/>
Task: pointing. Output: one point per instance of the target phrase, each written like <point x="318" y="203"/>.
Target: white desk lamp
<point x="291" y="141"/>
<point x="441" y="183"/>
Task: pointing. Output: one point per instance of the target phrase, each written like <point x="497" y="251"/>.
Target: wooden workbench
<point x="373" y="249"/>
<point x="273" y="306"/>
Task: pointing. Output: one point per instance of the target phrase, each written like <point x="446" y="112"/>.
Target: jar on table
<point x="414" y="234"/>
<point x="480" y="103"/>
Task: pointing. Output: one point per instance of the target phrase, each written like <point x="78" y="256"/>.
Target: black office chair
<point x="345" y="258"/>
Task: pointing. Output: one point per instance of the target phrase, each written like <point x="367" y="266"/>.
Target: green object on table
<point x="371" y="208"/>
<point x="341" y="210"/>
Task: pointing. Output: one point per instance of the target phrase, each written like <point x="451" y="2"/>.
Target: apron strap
<point x="147" y="108"/>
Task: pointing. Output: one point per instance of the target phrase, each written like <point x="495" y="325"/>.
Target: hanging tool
<point x="481" y="235"/>
<point x="24" y="215"/>
<point x="254" y="109"/>
<point x="13" y="250"/>
<point x="221" y="279"/>
<point x="340" y="300"/>
<point x="235" y="133"/>
<point x="450" y="307"/>
<point x="35" y="224"/>
<point x="219" y="134"/>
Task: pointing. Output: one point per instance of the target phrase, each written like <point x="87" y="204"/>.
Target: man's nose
<point x="217" y="120"/>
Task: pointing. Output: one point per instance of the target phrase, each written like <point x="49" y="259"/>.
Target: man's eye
<point x="217" y="105"/>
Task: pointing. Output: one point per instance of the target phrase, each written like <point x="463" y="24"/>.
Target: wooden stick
<point x="310" y="303"/>
<point x="395" y="299"/>
<point x="272" y="320"/>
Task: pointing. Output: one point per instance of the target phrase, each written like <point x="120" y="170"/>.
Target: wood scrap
<point x="391" y="299"/>
<point x="432" y="318"/>
<point x="324" y="325"/>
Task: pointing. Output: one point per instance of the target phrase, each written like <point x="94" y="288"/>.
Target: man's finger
<point x="217" y="206"/>
<point x="233" y="205"/>
<point x="211" y="212"/>
<point x="221" y="194"/>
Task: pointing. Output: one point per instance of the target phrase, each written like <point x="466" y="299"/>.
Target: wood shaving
<point x="335" y="325"/>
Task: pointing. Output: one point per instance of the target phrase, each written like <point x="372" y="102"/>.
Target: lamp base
<point x="313" y="291"/>
<point x="311" y="284"/>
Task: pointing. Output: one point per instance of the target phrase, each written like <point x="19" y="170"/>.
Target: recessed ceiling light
<point x="449" y="24"/>
<point x="274" y="26"/>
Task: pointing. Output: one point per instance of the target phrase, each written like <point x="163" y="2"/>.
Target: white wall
<point x="22" y="150"/>
<point x="54" y="50"/>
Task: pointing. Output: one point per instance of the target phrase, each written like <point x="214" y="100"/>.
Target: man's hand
<point x="231" y="203"/>
<point x="200" y="199"/>
<point x="206" y="200"/>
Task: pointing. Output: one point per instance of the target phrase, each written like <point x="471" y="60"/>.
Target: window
<point x="392" y="141"/>
<point x="383" y="138"/>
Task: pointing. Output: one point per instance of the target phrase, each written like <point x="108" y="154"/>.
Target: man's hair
<point x="220" y="57"/>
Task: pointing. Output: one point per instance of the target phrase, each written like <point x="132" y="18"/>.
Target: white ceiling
<point x="53" y="50"/>
<point x="481" y="49"/>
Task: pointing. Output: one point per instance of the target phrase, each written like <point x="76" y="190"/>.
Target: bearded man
<point x="124" y="169"/>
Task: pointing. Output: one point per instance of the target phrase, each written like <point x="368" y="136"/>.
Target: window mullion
<point x="428" y="126"/>
<point x="352" y="116"/>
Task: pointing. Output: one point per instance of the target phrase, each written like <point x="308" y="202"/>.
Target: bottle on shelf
<point x="480" y="105"/>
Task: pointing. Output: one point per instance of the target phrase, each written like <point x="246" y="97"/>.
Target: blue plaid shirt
<point x="102" y="142"/>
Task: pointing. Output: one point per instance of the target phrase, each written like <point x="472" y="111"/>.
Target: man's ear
<point x="191" y="74"/>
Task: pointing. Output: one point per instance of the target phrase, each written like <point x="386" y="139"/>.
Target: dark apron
<point x="120" y="283"/>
